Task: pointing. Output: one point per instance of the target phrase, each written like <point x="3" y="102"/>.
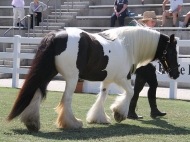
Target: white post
<point x="173" y="89"/>
<point x="16" y="61"/>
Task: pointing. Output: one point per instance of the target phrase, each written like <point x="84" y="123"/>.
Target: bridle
<point x="163" y="58"/>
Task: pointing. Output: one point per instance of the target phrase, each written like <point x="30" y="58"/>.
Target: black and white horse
<point x="109" y="56"/>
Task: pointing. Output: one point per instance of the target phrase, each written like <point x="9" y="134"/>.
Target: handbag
<point x="130" y="13"/>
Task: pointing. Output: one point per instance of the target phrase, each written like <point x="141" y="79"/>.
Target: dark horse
<point x="109" y="56"/>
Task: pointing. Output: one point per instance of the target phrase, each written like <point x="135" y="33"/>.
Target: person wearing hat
<point x="149" y="19"/>
<point x="175" y="8"/>
<point x="146" y="74"/>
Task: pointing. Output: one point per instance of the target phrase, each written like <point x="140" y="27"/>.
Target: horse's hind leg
<point x="31" y="115"/>
<point x="121" y="104"/>
<point x="97" y="113"/>
<point x="66" y="118"/>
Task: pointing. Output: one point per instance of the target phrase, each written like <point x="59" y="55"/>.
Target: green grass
<point x="175" y="126"/>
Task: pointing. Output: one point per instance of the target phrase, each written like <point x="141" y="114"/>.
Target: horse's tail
<point x="40" y="74"/>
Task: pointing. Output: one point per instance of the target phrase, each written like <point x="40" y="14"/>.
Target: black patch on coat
<point x="91" y="60"/>
<point x="60" y="42"/>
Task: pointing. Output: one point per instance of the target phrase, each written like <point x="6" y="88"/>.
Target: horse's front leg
<point x="97" y="113"/>
<point x="66" y="119"/>
<point x="120" y="107"/>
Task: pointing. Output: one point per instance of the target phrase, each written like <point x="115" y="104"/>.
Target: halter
<point x="168" y="69"/>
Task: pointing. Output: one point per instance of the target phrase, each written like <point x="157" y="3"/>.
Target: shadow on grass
<point x="116" y="130"/>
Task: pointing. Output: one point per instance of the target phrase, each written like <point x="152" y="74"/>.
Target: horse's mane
<point x="140" y="42"/>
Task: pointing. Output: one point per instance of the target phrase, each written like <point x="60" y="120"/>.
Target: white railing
<point x="89" y="87"/>
<point x="16" y="56"/>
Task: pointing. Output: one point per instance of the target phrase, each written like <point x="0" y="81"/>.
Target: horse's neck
<point x="161" y="46"/>
<point x="140" y="43"/>
<point x="145" y="51"/>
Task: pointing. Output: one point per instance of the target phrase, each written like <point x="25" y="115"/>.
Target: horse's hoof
<point x="32" y="128"/>
<point x="118" y="117"/>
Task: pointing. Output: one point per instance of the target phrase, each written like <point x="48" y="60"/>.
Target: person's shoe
<point x="133" y="116"/>
<point x="156" y="113"/>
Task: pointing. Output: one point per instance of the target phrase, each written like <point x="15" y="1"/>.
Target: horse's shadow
<point x="116" y="130"/>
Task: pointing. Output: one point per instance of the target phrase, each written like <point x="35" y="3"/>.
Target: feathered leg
<point x="120" y="107"/>
<point x="97" y="113"/>
<point x="66" y="119"/>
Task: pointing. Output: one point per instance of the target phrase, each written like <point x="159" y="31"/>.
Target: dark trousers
<point x="145" y="74"/>
<point x="38" y="18"/>
<point x="120" y="19"/>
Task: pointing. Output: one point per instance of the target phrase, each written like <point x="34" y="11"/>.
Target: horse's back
<point x="89" y="54"/>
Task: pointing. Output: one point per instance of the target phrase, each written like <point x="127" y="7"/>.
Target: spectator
<point x="18" y="11"/>
<point x="149" y="19"/>
<point x="120" y="9"/>
<point x="36" y="8"/>
<point x="185" y="23"/>
<point x="146" y="74"/>
<point x="175" y="8"/>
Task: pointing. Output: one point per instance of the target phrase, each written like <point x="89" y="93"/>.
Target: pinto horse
<point x="109" y="56"/>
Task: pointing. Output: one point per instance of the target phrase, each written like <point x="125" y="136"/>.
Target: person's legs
<point x="121" y="18"/>
<point x="21" y="13"/>
<point x="186" y="19"/>
<point x="175" y="15"/>
<point x="152" y="82"/>
<point x="15" y="16"/>
<point x="31" y="22"/>
<point x="164" y="15"/>
<point x="113" y="19"/>
<point x="38" y="17"/>
<point x="139" y="84"/>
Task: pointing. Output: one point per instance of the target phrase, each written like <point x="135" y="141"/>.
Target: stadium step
<point x="74" y="6"/>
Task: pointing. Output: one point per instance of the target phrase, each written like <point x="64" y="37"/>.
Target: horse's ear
<point x="172" y="38"/>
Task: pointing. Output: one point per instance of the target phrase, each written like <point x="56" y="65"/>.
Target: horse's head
<point x="168" y="56"/>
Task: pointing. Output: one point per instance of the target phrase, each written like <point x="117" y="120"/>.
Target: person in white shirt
<point x="36" y="7"/>
<point x="175" y="7"/>
<point x="18" y="11"/>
